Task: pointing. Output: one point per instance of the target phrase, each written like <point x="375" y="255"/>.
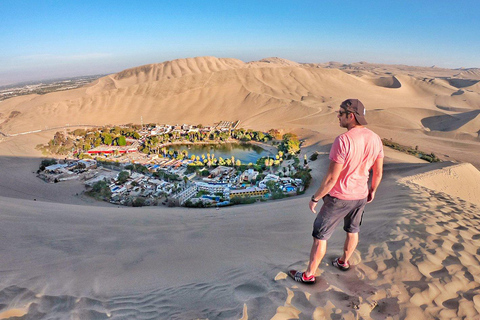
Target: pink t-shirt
<point x="357" y="149"/>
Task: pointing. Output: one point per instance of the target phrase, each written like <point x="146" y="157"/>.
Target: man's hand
<point x="312" y="206"/>
<point x="328" y="182"/>
<point x="376" y="178"/>
<point x="371" y="196"/>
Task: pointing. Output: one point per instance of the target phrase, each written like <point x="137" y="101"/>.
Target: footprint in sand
<point x="247" y="291"/>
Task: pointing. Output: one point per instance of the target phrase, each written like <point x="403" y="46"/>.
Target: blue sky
<point x="48" y="39"/>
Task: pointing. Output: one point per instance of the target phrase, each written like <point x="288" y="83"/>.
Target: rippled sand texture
<point x="429" y="268"/>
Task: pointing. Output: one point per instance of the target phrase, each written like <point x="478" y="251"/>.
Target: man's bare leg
<point x="317" y="253"/>
<point x="349" y="247"/>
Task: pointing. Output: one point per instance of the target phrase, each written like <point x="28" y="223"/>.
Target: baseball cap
<point x="356" y="107"/>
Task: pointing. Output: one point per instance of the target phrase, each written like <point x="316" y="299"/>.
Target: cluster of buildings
<point x="186" y="128"/>
<point x="68" y="170"/>
<point x="43" y="87"/>
<point x="218" y="188"/>
<point x="138" y="185"/>
<point x="231" y="186"/>
<point x="178" y="185"/>
<point x="133" y="145"/>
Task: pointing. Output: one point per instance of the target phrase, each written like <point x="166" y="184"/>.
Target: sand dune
<point x="458" y="181"/>
<point x="176" y="69"/>
<point x="462" y="83"/>
<point x="387" y="82"/>
<point x="423" y="270"/>
<point x="471" y="73"/>
<point x="273" y="62"/>
<point x="65" y="256"/>
<point x="209" y="89"/>
<point x="466" y="122"/>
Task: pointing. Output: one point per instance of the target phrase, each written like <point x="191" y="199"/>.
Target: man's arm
<point x="376" y="178"/>
<point x="328" y="183"/>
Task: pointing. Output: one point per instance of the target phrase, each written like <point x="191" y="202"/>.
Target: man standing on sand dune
<point x="344" y="189"/>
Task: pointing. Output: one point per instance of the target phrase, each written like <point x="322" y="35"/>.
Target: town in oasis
<point x="138" y="165"/>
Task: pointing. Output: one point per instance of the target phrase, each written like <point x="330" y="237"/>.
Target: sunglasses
<point x="342" y="112"/>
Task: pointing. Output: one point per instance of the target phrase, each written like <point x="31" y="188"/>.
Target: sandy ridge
<point x="460" y="180"/>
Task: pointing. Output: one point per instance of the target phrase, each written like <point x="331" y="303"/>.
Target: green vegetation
<point x="290" y="144"/>
<point x="137" y="168"/>
<point x="198" y="204"/>
<point x="412" y="151"/>
<point x="166" y="176"/>
<point x="80" y="141"/>
<point x="156" y="144"/>
<point x="305" y="176"/>
<point x="138" y="202"/>
<point x="275" y="134"/>
<point x="242" y="200"/>
<point x="105" y="162"/>
<point x="123" y="177"/>
<point x="100" y="191"/>
<point x="47" y="162"/>
<point x="60" y="145"/>
<point x="268" y="163"/>
<point x="275" y="190"/>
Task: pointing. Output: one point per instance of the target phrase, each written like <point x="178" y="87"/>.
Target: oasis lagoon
<point x="245" y="152"/>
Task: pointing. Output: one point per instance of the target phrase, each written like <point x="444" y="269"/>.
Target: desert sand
<point x="65" y="256"/>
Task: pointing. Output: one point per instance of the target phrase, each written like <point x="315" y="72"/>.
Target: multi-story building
<point x="248" y="192"/>
<point x="212" y="187"/>
<point x="269" y="177"/>
<point x="186" y="194"/>
<point x="249" y="175"/>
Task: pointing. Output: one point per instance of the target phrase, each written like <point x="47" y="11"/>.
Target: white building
<point x="222" y="170"/>
<point x="269" y="177"/>
<point x="249" y="175"/>
<point x="213" y="187"/>
<point x="94" y="180"/>
<point x="89" y="164"/>
<point x="57" y="168"/>
<point x="186" y="194"/>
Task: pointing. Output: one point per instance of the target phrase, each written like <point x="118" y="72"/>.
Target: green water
<point x="240" y="151"/>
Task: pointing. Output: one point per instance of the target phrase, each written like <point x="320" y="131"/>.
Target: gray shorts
<point x="333" y="211"/>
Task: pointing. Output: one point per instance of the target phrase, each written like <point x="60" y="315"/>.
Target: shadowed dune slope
<point x="465" y="122"/>
<point x="462" y="83"/>
<point x="387" y="82"/>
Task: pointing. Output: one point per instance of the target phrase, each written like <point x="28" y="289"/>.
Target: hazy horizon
<point x="52" y="78"/>
<point x="55" y="40"/>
